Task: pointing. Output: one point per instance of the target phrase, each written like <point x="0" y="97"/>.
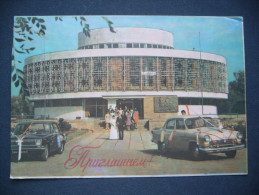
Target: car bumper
<point x="26" y="149"/>
<point x="225" y="149"/>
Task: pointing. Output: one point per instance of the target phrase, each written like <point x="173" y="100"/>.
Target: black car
<point x="38" y="138"/>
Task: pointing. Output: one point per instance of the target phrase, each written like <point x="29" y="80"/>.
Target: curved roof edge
<point x="125" y="52"/>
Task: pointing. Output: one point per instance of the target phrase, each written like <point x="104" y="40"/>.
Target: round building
<point x="134" y="67"/>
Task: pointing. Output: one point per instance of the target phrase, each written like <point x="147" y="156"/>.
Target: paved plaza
<point x="93" y="154"/>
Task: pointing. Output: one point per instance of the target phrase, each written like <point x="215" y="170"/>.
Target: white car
<point x="198" y="135"/>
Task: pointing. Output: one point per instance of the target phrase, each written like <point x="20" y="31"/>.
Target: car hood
<point x="215" y="134"/>
<point x="31" y="136"/>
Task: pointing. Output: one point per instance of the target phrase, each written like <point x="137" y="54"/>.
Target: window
<point x="129" y="45"/>
<point x="192" y="123"/>
<point x="47" y="127"/>
<point x="149" y="45"/>
<point x="163" y="72"/>
<point x="54" y="128"/>
<point x="115" y="45"/>
<point x="170" y="124"/>
<point x="154" y="46"/>
<point x="109" y="45"/>
<point x="180" y="124"/>
<point x="134" y="71"/>
<point x="136" y="45"/>
<point x="142" y="45"/>
<point x="98" y="73"/>
<point x="101" y="46"/>
<point x="148" y="67"/>
<point x="159" y="46"/>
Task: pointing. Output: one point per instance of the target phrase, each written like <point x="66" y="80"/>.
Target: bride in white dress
<point x="113" y="132"/>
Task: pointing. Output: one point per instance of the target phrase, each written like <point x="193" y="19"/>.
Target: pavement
<point x="94" y="155"/>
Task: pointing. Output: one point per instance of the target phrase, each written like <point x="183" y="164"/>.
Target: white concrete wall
<point x="197" y="109"/>
<point x="126" y="35"/>
<point x="68" y="112"/>
<point x="112" y="102"/>
<point x="127" y="94"/>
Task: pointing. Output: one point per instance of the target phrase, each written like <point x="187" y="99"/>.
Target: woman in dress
<point x="136" y="116"/>
<point x="128" y="121"/>
<point x="113" y="132"/>
<point x="107" y="120"/>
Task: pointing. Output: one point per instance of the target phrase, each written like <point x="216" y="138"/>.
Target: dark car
<point x="38" y="138"/>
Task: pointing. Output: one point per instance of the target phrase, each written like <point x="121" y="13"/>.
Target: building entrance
<point x="132" y="104"/>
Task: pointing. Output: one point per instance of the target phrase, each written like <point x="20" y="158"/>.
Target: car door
<point x="50" y="137"/>
<point x="179" y="138"/>
<point x="169" y="135"/>
<point x="55" y="132"/>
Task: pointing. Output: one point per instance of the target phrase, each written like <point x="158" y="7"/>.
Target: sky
<point x="219" y="35"/>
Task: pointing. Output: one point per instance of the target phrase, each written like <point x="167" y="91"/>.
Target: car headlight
<point x="38" y="142"/>
<point x="207" y="138"/>
<point x="239" y="136"/>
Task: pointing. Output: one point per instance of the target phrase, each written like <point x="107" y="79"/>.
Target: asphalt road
<point x="93" y="154"/>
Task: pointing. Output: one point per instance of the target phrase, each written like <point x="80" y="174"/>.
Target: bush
<point x="64" y="125"/>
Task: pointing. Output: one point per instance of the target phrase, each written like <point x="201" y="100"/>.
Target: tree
<point x="25" y="29"/>
<point x="236" y="96"/>
<point x="21" y="105"/>
<point x="237" y="93"/>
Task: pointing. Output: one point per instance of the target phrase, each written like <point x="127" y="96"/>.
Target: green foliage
<point x="236" y="96"/>
<point x="21" y="105"/>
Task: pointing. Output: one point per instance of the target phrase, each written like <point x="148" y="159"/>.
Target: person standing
<point x="113" y="132"/>
<point x="123" y="115"/>
<point x="136" y="117"/>
<point x="121" y="124"/>
<point x="125" y="109"/>
<point x="120" y="110"/>
<point x="107" y="120"/>
<point x="110" y="109"/>
<point x="128" y="121"/>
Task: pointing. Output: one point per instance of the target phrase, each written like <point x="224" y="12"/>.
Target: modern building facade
<point x="130" y="67"/>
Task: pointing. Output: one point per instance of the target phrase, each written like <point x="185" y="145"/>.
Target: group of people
<point x="119" y="120"/>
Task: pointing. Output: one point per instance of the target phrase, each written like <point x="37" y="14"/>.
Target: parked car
<point x="38" y="138"/>
<point x="198" y="136"/>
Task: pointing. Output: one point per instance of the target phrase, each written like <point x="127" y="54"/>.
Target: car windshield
<point x="193" y="123"/>
<point x="34" y="128"/>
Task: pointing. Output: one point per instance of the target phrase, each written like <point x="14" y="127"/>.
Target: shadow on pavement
<point x="28" y="157"/>
<point x="183" y="156"/>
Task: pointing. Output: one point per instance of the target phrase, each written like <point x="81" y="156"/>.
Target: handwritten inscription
<point x="80" y="157"/>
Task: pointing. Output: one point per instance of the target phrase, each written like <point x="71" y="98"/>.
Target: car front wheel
<point x="195" y="153"/>
<point x="45" y="154"/>
<point x="161" y="148"/>
<point x="231" y="154"/>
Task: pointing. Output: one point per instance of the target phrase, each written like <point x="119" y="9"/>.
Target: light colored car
<point x="198" y="136"/>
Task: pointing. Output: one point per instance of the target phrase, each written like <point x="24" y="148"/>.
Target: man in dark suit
<point x="121" y="124"/>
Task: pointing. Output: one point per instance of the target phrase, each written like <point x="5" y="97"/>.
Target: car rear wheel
<point x="195" y="153"/>
<point x="61" y="149"/>
<point x="45" y="154"/>
<point x="161" y="148"/>
<point x="231" y="154"/>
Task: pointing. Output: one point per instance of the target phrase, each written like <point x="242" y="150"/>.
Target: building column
<point x="83" y="107"/>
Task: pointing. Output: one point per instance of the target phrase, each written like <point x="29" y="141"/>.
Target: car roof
<point x="191" y="116"/>
<point x="37" y="122"/>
